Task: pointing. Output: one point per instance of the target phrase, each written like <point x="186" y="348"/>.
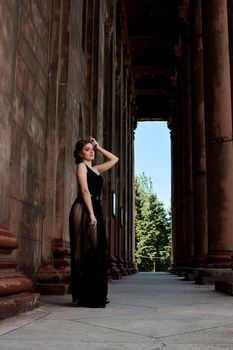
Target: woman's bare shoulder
<point x="82" y="167"/>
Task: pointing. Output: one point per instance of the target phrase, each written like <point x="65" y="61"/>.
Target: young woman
<point x="87" y="232"/>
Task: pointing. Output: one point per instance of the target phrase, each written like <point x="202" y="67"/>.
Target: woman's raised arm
<point x="111" y="158"/>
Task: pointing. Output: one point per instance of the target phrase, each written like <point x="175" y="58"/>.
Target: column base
<point x="121" y="265"/>
<point x="55" y="279"/>
<point x="133" y="267"/>
<point x="199" y="261"/>
<point x="221" y="278"/>
<point x="15" y="296"/>
<point x="219" y="259"/>
<point x="209" y="275"/>
<point x="51" y="281"/>
<point x="224" y="282"/>
<point x="15" y="304"/>
<point x="114" y="272"/>
<point x="177" y="270"/>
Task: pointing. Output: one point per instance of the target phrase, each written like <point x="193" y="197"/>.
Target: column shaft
<point x="218" y="124"/>
<point x="230" y="29"/>
<point x="187" y="149"/>
<point x="198" y="138"/>
<point x="178" y="195"/>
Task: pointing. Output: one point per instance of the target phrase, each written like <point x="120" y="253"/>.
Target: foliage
<point x="152" y="227"/>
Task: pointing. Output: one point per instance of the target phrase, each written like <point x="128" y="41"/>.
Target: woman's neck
<point x="87" y="163"/>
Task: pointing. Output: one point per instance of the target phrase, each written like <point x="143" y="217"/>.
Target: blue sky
<point x="153" y="157"/>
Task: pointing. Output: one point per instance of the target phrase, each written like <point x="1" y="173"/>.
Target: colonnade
<point x="201" y="136"/>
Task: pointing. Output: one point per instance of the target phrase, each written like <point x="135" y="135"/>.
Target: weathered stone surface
<point x="28" y="65"/>
<point x="10" y="306"/>
<point x="218" y="126"/>
<point x="29" y="255"/>
<point x="28" y="154"/>
<point x="58" y="86"/>
<point x="7" y="243"/>
<point x="8" y="20"/>
<point x="50" y="142"/>
<point x="52" y="289"/>
<point x="55" y="279"/>
<point x="13" y="283"/>
<point x="35" y="13"/>
<point x="28" y="132"/>
<point x="162" y="312"/>
<point x="48" y="274"/>
<point x="224" y="282"/>
<point x="198" y="139"/>
<point x="224" y="287"/>
<point x="209" y="275"/>
<point x="32" y="36"/>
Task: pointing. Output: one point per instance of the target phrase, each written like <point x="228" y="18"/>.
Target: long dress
<point x="89" y="284"/>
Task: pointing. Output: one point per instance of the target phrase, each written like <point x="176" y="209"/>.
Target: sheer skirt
<point x="88" y="256"/>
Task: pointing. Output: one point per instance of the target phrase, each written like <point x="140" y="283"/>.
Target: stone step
<point x="225" y="287"/>
<point x="16" y="303"/>
<point x="52" y="289"/>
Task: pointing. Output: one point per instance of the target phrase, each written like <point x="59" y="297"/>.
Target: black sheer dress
<point x="89" y="283"/>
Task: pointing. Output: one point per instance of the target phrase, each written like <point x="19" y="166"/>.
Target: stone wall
<point x="9" y="22"/>
<point x="64" y="78"/>
<point x="28" y="130"/>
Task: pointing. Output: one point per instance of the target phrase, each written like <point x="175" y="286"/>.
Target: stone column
<point x="55" y="245"/>
<point x="132" y="209"/>
<point x="14" y="286"/>
<point x="218" y="124"/>
<point x="187" y="149"/>
<point x="174" y="206"/>
<point x="180" y="193"/>
<point x="109" y="131"/>
<point x="178" y="196"/>
<point x="8" y="46"/>
<point x="230" y="29"/>
<point x="88" y="67"/>
<point x="186" y="134"/>
<point x="198" y="138"/>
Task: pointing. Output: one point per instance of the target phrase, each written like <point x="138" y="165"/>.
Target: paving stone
<point x="147" y="311"/>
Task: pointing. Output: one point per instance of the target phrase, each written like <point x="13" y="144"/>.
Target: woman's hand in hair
<point x="94" y="143"/>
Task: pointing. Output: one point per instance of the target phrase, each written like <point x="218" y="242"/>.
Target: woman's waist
<point x="93" y="197"/>
<point x="97" y="197"/>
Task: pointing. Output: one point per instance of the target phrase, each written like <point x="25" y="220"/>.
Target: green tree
<point x="152" y="227"/>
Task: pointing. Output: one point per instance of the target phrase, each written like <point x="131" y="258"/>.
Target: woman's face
<point x="87" y="152"/>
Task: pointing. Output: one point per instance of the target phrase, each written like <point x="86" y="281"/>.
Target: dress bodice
<point x="94" y="181"/>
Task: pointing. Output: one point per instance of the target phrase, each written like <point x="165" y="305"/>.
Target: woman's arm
<point x="81" y="174"/>
<point x="112" y="159"/>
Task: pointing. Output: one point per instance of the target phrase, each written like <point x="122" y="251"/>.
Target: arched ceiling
<point x="152" y="28"/>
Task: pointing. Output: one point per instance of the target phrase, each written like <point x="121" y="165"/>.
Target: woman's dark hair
<point x="78" y="148"/>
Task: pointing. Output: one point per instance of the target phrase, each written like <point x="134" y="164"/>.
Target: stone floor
<point x="148" y="311"/>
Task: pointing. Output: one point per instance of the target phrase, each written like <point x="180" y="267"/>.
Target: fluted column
<point x="178" y="189"/>
<point x="187" y="149"/>
<point x="230" y="29"/>
<point x="198" y="138"/>
<point x="174" y="194"/>
<point x="218" y="124"/>
<point x="55" y="241"/>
